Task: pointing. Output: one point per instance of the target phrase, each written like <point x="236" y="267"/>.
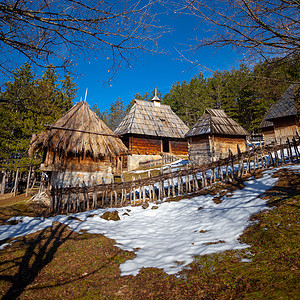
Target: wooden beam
<point x="79" y="130"/>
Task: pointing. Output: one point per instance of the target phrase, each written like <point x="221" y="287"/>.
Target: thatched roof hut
<point x="151" y="128"/>
<point x="80" y="132"/>
<point x="213" y="134"/>
<point x="284" y="114"/>
<point x="79" y="142"/>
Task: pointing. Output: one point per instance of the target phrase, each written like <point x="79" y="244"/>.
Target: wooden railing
<point x="165" y="159"/>
<point x="172" y="182"/>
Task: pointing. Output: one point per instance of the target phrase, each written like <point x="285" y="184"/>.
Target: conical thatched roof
<point x="216" y="121"/>
<point x="285" y="107"/>
<point x="152" y="119"/>
<point x="79" y="132"/>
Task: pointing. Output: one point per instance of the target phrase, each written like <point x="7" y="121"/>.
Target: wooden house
<point x="151" y="129"/>
<point x="284" y="115"/>
<point x="79" y="147"/>
<point x="267" y="129"/>
<point x="213" y="134"/>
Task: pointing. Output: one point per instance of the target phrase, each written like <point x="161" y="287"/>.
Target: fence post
<point x="296" y="148"/>
<point x="52" y="200"/>
<point x="239" y="161"/>
<point x="68" y="202"/>
<point x="169" y="181"/>
<point x="112" y="187"/>
<point x="212" y="176"/>
<point x="140" y="189"/>
<point x="173" y="187"/>
<point x="195" y="185"/>
<point x="289" y="150"/>
<point x="133" y="190"/>
<point x="123" y="197"/>
<point x="144" y="193"/>
<point x="95" y="204"/>
<point x="226" y="170"/>
<point x="203" y="178"/>
<point x="220" y="170"/>
<point x="179" y="185"/>
<point x="149" y="186"/>
<point x="232" y="166"/>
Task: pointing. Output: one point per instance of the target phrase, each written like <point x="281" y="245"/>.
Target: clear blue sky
<point x="152" y="70"/>
<point x="149" y="70"/>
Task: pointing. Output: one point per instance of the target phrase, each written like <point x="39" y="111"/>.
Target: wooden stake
<point x="94" y="195"/>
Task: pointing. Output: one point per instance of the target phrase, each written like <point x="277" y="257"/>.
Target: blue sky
<point x="152" y="70"/>
<point x="149" y="70"/>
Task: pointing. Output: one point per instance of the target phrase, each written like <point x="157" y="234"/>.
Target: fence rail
<point x="172" y="182"/>
<point x="165" y="159"/>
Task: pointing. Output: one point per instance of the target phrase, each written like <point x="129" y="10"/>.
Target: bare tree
<point x="56" y="31"/>
<point x="264" y="28"/>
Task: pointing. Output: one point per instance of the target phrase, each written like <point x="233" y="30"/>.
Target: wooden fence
<point x="172" y="182"/>
<point x="165" y="159"/>
<point x="14" y="181"/>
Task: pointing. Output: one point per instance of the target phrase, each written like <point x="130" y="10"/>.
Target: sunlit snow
<point x="171" y="235"/>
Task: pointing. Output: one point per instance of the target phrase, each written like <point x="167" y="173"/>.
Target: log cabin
<point x="213" y="135"/>
<point x="79" y="147"/>
<point x="267" y="129"/>
<point x="284" y="115"/>
<point x="150" y="130"/>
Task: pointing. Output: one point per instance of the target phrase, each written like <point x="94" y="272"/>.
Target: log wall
<point x="204" y="149"/>
<point x="55" y="162"/>
<point x="285" y="128"/>
<point x="145" y="145"/>
<point x="179" y="147"/>
<point x="268" y="136"/>
<point x="199" y="149"/>
<point x="221" y="145"/>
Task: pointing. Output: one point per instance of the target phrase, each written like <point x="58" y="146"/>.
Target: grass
<point x="57" y="263"/>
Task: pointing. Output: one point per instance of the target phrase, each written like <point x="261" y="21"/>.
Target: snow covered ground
<point x="169" y="236"/>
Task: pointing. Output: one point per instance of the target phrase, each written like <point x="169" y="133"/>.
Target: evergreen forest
<point x="244" y="93"/>
<point x="28" y="101"/>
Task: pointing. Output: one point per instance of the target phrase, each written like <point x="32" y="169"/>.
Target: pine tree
<point x="116" y="113"/>
<point x="31" y="102"/>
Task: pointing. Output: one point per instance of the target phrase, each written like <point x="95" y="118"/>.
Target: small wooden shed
<point x="284" y="115"/>
<point x="152" y="129"/>
<point x="213" y="134"/>
<point x="79" y="147"/>
<point x="267" y="129"/>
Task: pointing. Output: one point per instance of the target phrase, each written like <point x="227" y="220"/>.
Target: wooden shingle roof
<point x="79" y="132"/>
<point x="152" y="119"/>
<point x="285" y="107"/>
<point x="264" y="123"/>
<point x="216" y="121"/>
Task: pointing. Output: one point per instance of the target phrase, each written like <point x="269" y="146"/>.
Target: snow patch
<point x="170" y="236"/>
